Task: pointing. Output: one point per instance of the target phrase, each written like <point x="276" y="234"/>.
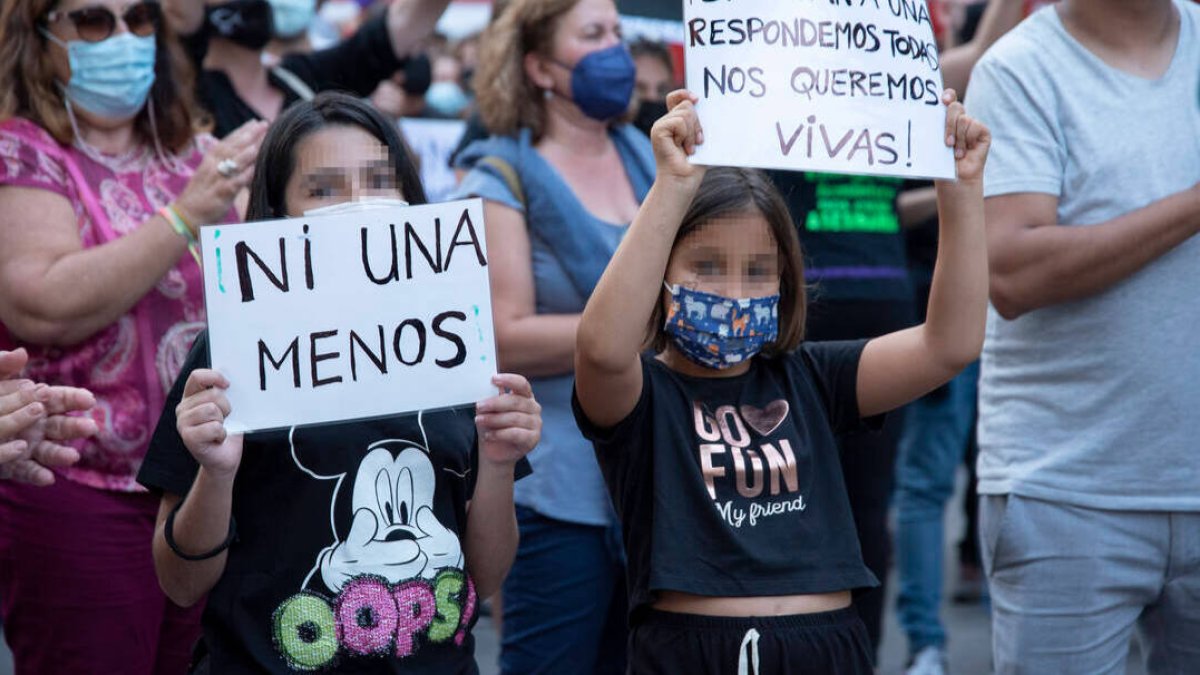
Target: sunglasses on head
<point x="94" y="24"/>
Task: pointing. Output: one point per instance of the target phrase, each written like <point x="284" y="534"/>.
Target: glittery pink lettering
<point x="366" y="616"/>
<point x="468" y="613"/>
<point x="417" y="608"/>
<point x="372" y="617"/>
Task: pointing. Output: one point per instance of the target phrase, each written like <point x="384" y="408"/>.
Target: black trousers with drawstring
<point x="824" y="643"/>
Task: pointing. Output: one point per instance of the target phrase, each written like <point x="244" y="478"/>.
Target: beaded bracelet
<point x="182" y="228"/>
<point x="169" y="535"/>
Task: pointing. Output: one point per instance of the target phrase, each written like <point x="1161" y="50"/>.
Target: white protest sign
<point x="434" y="141"/>
<point x="356" y="315"/>
<point x="844" y="86"/>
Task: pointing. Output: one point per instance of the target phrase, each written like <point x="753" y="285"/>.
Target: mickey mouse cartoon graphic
<point x="393" y="531"/>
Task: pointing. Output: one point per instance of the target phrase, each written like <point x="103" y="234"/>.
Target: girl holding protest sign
<point x="360" y="546"/>
<point x="719" y="451"/>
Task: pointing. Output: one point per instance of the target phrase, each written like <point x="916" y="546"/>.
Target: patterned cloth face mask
<point x="719" y="332"/>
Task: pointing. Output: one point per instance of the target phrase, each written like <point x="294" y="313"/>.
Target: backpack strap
<point x="293" y="81"/>
<point x="508" y="173"/>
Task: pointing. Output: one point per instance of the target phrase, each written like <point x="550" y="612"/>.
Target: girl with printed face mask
<point x="561" y="178"/>
<point x="105" y="178"/>
<point x="719" y="448"/>
<point x="238" y="81"/>
<point x="362" y="546"/>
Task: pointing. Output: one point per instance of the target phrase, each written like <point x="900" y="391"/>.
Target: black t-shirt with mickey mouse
<point x="732" y="487"/>
<point x="348" y="555"/>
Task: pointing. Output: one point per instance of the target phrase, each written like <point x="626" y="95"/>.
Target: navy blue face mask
<point x="602" y="82"/>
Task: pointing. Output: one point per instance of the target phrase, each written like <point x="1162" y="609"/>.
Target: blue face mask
<point x="291" y="18"/>
<point x="111" y="78"/>
<point x="446" y="99"/>
<point x="718" y="332"/>
<point x="602" y="82"/>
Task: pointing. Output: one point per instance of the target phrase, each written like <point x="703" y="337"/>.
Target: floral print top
<point x="131" y="364"/>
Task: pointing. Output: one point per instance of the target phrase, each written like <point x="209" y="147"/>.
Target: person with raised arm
<point x="238" y="81"/>
<point x="718" y="447"/>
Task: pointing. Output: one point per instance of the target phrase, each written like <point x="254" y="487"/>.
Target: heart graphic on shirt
<point x="765" y="420"/>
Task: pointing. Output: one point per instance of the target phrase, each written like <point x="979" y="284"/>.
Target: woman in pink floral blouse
<point x="104" y="180"/>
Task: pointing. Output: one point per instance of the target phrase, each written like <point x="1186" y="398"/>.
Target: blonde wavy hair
<point x="508" y="100"/>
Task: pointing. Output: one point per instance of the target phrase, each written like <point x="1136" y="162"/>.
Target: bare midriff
<point x="771" y="605"/>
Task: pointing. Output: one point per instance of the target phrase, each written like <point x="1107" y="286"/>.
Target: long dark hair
<point x="728" y="191"/>
<point x="277" y="155"/>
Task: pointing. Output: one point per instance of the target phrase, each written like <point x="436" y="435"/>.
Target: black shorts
<point x="825" y="643"/>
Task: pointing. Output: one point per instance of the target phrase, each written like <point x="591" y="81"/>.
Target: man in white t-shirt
<point x="1089" y="429"/>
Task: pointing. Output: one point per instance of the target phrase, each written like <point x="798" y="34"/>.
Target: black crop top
<point x="732" y="487"/>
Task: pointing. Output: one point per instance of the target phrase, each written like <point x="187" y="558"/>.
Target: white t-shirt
<point x="1094" y="402"/>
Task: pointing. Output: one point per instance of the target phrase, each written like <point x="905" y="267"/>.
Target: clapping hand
<point x="36" y="421"/>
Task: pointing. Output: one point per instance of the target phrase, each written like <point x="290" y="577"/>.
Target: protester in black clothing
<point x="358" y="547"/>
<point x="226" y="39"/>
<point x="719" y="451"/>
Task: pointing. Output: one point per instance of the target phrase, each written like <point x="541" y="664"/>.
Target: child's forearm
<point x="200" y="525"/>
<point x="957" y="312"/>
<point x="613" y="327"/>
<point x="491" y="542"/>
